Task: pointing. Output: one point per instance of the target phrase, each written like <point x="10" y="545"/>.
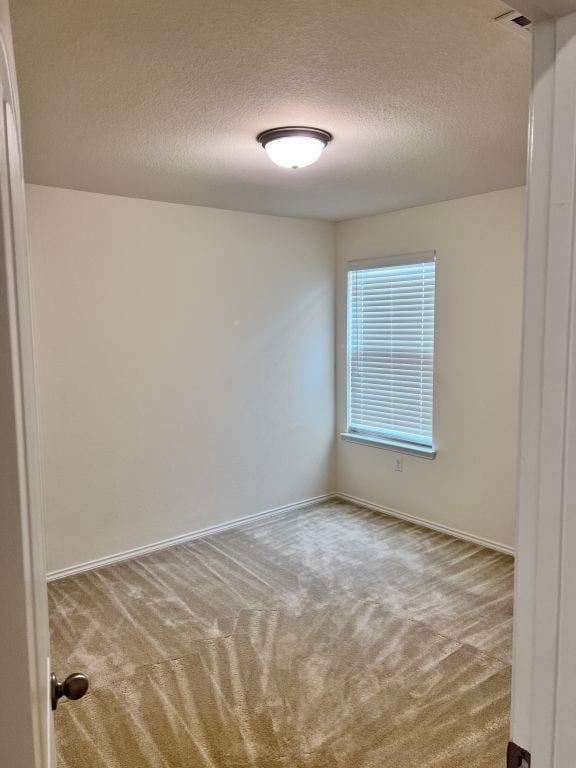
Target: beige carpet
<point x="333" y="637"/>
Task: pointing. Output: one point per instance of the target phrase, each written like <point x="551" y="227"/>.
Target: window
<point x="391" y="351"/>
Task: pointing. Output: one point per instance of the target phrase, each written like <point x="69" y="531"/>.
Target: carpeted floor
<point x="332" y="637"/>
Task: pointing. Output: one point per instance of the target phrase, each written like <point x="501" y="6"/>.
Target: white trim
<point x="147" y="549"/>
<point x="391" y="261"/>
<point x="399" y="446"/>
<point x="544" y="670"/>
<point x="454" y="532"/>
<point x="530" y="454"/>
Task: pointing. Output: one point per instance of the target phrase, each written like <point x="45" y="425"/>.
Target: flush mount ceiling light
<point x="294" y="146"/>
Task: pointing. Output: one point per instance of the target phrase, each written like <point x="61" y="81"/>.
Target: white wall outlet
<point x="399" y="467"/>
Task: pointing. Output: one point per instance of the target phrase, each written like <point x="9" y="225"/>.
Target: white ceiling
<point x="427" y="100"/>
<point x="539" y="10"/>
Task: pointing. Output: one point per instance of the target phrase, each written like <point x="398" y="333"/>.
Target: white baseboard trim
<point x="130" y="554"/>
<point x="457" y="534"/>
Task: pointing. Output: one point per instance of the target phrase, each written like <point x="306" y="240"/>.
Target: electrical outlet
<point x="399" y="464"/>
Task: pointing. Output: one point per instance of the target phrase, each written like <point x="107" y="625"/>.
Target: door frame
<point x="544" y="671"/>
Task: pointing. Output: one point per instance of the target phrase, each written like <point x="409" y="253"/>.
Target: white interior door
<point x="25" y="718"/>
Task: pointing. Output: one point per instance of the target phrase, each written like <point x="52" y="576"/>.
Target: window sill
<point x="390" y="445"/>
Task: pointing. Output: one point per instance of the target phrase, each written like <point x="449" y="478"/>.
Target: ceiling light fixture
<point x="294" y="146"/>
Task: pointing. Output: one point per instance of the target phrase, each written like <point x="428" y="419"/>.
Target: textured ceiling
<point x="427" y="100"/>
<point x="539" y="10"/>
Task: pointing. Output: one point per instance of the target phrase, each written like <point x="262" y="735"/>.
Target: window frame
<point x="378" y="441"/>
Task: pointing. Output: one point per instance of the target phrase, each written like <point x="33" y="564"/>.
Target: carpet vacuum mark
<point x="332" y="636"/>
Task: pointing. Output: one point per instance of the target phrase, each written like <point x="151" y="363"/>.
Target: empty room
<point x="276" y="270"/>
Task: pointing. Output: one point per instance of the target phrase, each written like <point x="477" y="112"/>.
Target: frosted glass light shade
<point x="294" y="151"/>
<point x="294" y="147"/>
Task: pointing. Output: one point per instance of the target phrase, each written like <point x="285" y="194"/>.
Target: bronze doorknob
<point x="74" y="687"/>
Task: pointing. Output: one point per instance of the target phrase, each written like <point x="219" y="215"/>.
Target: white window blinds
<point x="391" y="349"/>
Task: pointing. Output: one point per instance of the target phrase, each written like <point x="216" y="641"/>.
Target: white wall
<point x="185" y="366"/>
<point x="471" y="485"/>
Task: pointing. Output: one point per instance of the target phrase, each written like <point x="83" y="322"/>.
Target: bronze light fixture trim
<point x="294" y="146"/>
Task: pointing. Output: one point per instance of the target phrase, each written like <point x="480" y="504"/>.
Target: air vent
<point x="515" y="22"/>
